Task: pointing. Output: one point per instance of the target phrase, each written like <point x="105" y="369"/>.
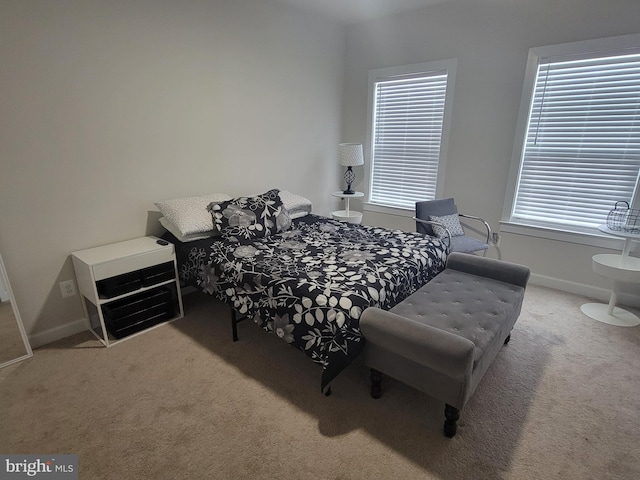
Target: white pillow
<point x="298" y="214"/>
<point x="189" y="215"/>
<point x="451" y="222"/>
<point x="171" y="228"/>
<point x="297" y="205"/>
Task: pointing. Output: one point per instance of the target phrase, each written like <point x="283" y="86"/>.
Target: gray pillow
<point x="451" y="222"/>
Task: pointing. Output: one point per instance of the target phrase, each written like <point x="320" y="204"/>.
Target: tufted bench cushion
<point x="470" y="306"/>
<point x="444" y="337"/>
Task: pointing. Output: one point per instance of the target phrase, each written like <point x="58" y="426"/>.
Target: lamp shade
<point x="350" y="154"/>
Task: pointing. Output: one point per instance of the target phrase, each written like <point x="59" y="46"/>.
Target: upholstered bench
<point x="442" y="339"/>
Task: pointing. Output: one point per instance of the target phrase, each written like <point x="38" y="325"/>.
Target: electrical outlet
<point x="495" y="239"/>
<point x="68" y="288"/>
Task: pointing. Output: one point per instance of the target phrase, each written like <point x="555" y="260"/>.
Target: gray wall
<point x="491" y="40"/>
<point x="108" y="106"/>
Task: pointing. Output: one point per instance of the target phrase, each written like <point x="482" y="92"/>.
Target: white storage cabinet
<point x="128" y="287"/>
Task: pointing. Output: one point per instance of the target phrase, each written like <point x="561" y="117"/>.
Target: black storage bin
<point x="119" y="285"/>
<point x="157" y="274"/>
<point x="121" y="332"/>
<point x="137" y="312"/>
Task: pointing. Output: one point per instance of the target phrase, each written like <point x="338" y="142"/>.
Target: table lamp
<point x="350" y="155"/>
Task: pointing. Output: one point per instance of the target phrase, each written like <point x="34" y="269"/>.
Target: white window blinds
<point x="582" y="146"/>
<point x="406" y="138"/>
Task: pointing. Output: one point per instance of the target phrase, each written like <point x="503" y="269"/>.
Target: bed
<point x="310" y="281"/>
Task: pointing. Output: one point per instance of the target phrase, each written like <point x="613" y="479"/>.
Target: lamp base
<point x="349" y="177"/>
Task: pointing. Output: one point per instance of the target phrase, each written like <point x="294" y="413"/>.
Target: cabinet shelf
<point x="102" y="300"/>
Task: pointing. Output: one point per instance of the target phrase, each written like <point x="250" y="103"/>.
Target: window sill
<point x="591" y="238"/>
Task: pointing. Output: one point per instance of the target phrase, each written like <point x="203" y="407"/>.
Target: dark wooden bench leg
<point x="376" y="383"/>
<point x="452" y="414"/>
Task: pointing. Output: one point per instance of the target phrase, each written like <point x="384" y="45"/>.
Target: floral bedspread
<point x="310" y="284"/>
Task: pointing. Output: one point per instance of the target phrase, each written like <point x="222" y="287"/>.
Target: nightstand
<point x="128" y="287"/>
<point x="347" y="215"/>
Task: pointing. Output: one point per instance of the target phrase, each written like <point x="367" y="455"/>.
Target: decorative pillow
<point x="190" y="237"/>
<point x="189" y="214"/>
<point x="250" y="217"/>
<point x="451" y="222"/>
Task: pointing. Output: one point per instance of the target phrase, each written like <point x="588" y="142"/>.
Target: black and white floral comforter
<point x="310" y="284"/>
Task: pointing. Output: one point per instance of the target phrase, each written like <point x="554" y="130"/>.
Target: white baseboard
<point x="57" y="333"/>
<point x="601" y="294"/>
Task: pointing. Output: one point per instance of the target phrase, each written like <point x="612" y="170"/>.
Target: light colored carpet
<point x="182" y="401"/>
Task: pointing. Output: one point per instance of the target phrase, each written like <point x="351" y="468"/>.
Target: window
<point x="580" y="151"/>
<point x="409" y="123"/>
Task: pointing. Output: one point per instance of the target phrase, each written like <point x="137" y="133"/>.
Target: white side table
<point x="347" y="215"/>
<point x="128" y="287"/>
<point x="621" y="269"/>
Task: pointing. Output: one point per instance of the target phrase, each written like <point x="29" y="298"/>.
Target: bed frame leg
<point x="234" y="325"/>
<point x="376" y="383"/>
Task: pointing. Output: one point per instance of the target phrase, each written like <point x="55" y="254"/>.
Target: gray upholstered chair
<point x="440" y="218"/>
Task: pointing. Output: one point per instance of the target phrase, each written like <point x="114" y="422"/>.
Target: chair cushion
<point x="466" y="244"/>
